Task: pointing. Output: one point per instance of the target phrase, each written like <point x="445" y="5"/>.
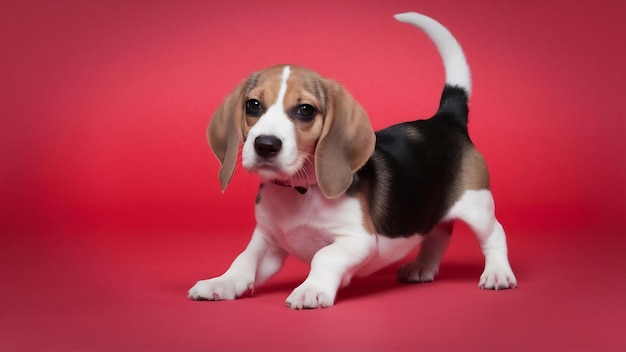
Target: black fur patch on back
<point x="410" y="179"/>
<point x="410" y="182"/>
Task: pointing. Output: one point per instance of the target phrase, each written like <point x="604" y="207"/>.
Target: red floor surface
<point x="110" y="208"/>
<point x="115" y="291"/>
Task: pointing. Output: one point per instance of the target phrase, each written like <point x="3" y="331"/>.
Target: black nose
<point x="267" y="146"/>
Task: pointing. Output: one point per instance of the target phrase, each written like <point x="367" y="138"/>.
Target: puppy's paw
<point x="416" y="272"/>
<point x="497" y="279"/>
<point x="308" y="296"/>
<point x="219" y="288"/>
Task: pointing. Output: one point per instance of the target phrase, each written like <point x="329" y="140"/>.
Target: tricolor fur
<point x="343" y="198"/>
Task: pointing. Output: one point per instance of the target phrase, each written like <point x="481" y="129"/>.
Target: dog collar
<point x="301" y="190"/>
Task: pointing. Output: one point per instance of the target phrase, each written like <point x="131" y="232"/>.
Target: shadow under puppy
<point x="344" y="199"/>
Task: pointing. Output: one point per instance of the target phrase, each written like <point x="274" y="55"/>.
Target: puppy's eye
<point x="254" y="108"/>
<point x="305" y="112"/>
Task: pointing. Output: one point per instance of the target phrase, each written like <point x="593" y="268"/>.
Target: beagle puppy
<point x="343" y="198"/>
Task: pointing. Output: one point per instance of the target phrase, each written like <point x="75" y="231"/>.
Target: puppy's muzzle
<point x="267" y="146"/>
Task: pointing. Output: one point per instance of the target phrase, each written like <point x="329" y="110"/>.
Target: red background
<point x="110" y="207"/>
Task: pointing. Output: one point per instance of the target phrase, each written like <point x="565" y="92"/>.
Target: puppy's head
<point x="296" y="127"/>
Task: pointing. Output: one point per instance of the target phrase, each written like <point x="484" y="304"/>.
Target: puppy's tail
<point x="458" y="86"/>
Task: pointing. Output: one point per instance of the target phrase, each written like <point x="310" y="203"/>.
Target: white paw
<point x="308" y="296"/>
<point x="219" y="288"/>
<point x="497" y="278"/>
<point x="416" y="272"/>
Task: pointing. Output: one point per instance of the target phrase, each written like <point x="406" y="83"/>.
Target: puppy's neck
<point x="299" y="189"/>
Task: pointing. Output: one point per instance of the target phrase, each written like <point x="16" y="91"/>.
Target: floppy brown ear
<point x="225" y="134"/>
<point x="346" y="143"/>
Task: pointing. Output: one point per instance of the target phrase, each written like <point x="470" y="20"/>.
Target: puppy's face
<point x="297" y="128"/>
<point x="283" y="123"/>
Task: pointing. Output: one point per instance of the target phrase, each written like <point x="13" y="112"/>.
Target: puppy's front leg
<point x="257" y="263"/>
<point x="331" y="267"/>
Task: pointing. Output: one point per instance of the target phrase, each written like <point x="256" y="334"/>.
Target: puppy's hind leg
<point x="426" y="265"/>
<point x="476" y="209"/>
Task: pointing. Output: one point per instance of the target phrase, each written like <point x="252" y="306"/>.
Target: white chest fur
<point x="302" y="224"/>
